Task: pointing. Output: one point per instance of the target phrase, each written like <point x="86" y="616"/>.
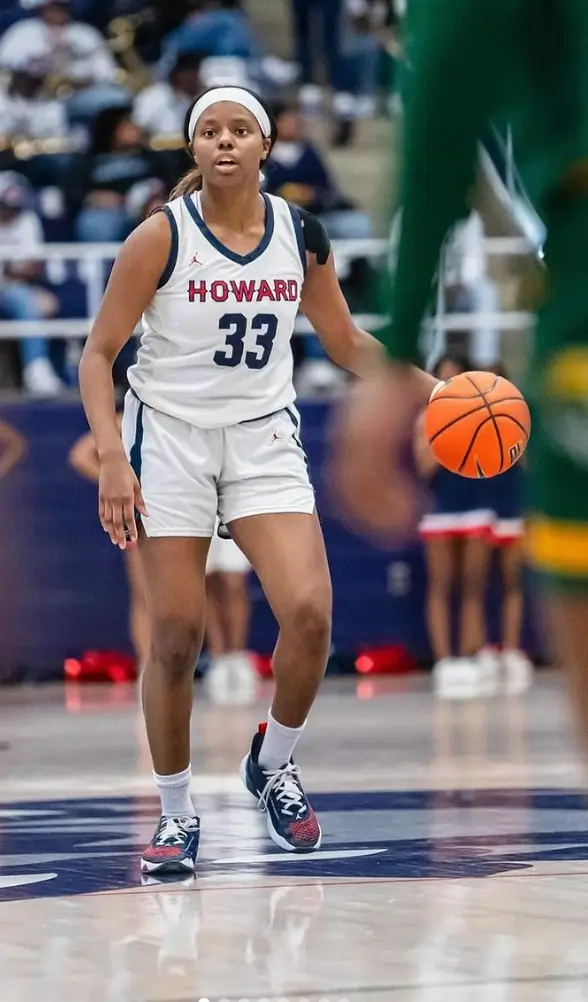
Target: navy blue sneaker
<point x="173" y="848"/>
<point x="291" y="821"/>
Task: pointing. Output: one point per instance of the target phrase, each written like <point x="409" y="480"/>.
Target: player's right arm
<point x="131" y="287"/>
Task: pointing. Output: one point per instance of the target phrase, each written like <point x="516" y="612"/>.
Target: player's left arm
<point x="325" y="307"/>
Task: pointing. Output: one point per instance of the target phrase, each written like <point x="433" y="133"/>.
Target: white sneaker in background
<point x="489" y="665"/>
<point x="41" y="380"/>
<point x="231" y="679"/>
<point x="217" y="681"/>
<point x="243" y="676"/>
<point x="517" y="672"/>
<point x="456" y="679"/>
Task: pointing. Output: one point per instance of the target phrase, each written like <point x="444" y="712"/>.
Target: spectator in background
<point x="73" y="51"/>
<point x="144" y="198"/>
<point x="456" y="533"/>
<point x="116" y="161"/>
<point x="298" y="173"/>
<point x="161" y="108"/>
<point x="22" y="296"/>
<point x="222" y="29"/>
<point x="24" y="112"/>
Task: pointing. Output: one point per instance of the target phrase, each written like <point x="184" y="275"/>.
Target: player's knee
<point x="310" y="619"/>
<point x="176" y="644"/>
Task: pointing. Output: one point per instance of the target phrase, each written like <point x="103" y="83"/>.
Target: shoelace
<point x="285" y="786"/>
<point x="172" y="831"/>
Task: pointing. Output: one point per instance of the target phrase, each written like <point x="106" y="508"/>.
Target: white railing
<point x="93" y="256"/>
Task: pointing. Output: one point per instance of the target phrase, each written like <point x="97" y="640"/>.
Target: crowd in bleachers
<point x="92" y="99"/>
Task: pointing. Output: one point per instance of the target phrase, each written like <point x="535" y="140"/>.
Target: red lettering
<point x="219" y="292"/>
<point x="264" y="291"/>
<point x="197" y="290"/>
<point x="243" y="290"/>
<point x="281" y="289"/>
<point x="292" y="290"/>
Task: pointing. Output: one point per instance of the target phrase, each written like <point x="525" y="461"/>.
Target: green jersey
<point x="473" y="61"/>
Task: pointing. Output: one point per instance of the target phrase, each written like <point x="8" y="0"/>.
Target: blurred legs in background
<point x="19" y="301"/>
<point x="230" y="676"/>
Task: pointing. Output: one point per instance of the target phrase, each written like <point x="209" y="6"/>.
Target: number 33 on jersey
<point x="216" y="344"/>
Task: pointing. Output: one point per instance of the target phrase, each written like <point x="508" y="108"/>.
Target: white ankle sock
<point x="174" y="792"/>
<point x="279" y="743"/>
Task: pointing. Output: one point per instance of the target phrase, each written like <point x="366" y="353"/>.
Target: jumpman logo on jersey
<point x="195" y="260"/>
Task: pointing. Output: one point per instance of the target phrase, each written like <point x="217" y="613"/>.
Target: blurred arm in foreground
<point x="455" y="88"/>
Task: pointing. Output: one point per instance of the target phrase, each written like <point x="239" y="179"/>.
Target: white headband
<point x="238" y="96"/>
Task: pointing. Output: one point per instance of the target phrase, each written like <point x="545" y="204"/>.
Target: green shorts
<point x="557" y="392"/>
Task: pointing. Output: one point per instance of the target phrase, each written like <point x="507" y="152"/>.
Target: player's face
<point x="228" y="145"/>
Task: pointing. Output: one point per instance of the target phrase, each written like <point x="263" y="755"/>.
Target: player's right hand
<point x="119" y="493"/>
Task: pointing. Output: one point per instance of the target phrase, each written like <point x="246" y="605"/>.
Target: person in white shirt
<point x="20" y="298"/>
<point x="74" y="51"/>
<point x="161" y="108"/>
<point x="23" y="112"/>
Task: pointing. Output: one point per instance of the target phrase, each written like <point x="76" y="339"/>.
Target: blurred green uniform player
<point x="526" y="62"/>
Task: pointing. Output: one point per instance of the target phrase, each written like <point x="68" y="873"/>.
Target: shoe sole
<point x="278" y="839"/>
<point x="185" y="866"/>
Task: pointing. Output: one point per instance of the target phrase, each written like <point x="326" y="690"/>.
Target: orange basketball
<point x="478" y="424"/>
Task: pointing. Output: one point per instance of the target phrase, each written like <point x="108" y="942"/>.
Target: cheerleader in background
<point x="511" y="664"/>
<point x="456" y="534"/>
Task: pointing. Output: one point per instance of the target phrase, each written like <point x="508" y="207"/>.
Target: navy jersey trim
<point x="298" y="230"/>
<point x="136" y="458"/>
<point x="220" y="247"/>
<point x="173" y="251"/>
<point x="296" y="422"/>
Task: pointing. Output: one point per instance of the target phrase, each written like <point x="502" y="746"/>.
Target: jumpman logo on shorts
<point x="275" y="436"/>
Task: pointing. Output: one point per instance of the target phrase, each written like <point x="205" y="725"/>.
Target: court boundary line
<point x="323" y="881"/>
<point x="314" y="993"/>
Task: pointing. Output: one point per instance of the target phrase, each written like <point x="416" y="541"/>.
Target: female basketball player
<point x="456" y="533"/>
<point x="209" y="426"/>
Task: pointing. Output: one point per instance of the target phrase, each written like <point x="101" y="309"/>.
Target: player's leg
<point x="176" y="467"/>
<point x="174" y="575"/>
<point x="231" y="676"/>
<point x="518" y="670"/>
<point x="266" y="499"/>
<point x="138" y="615"/>
<point x="288" y="554"/>
<point x="475" y="561"/>
<point x="441" y="553"/>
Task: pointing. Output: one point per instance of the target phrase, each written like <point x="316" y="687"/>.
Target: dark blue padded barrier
<point x="63" y="585"/>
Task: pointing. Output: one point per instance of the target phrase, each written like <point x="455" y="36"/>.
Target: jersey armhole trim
<point x="298" y="230"/>
<point x="173" y="251"/>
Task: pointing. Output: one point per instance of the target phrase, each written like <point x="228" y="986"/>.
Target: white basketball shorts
<point x="190" y="475"/>
<point x="224" y="556"/>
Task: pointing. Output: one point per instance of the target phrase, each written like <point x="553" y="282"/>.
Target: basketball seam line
<point x="495" y="426"/>
<point x="460" y="417"/>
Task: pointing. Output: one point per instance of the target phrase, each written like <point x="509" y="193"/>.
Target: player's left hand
<point x="372" y="432"/>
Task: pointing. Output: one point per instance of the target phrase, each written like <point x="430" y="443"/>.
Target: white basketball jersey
<point x="215" y="349"/>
